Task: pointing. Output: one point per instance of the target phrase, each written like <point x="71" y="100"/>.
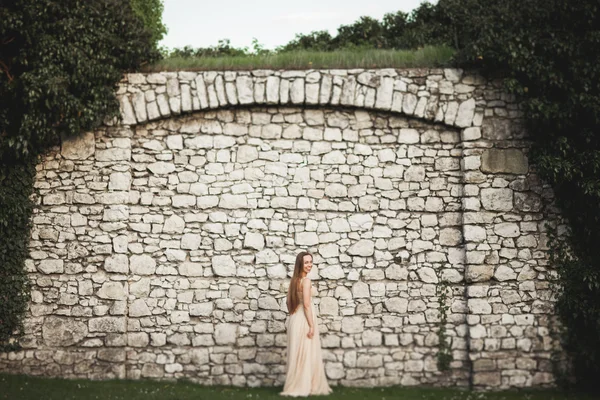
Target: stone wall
<point x="163" y="243"/>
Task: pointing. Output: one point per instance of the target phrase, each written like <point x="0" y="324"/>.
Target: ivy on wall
<point x="548" y="52"/>
<point x="60" y="61"/>
<point x="16" y="185"/>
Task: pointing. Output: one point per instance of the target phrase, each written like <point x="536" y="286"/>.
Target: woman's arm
<point x="306" y="304"/>
<point x="289" y="300"/>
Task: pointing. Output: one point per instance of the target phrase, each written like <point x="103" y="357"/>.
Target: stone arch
<point x="441" y="96"/>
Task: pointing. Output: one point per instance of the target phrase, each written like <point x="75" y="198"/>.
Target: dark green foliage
<point x="366" y="32"/>
<point x="222" y="49"/>
<point x="316" y="41"/>
<point x="444" y="354"/>
<point x="16" y="185"/>
<point x="397" y="30"/>
<point x="549" y="50"/>
<point x="150" y="12"/>
<point x="60" y="61"/>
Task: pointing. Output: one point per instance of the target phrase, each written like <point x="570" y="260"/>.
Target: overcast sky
<point x="273" y="22"/>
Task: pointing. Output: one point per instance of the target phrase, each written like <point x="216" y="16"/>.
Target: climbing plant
<point x="60" y="61"/>
<point x="548" y="52"/>
<point x="444" y="354"/>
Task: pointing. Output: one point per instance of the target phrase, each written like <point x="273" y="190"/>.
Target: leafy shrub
<point x="548" y="51"/>
<point x="60" y="61"/>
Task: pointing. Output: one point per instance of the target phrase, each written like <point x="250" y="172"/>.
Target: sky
<point x="273" y="22"/>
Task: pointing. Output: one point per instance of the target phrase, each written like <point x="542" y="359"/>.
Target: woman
<point x="305" y="371"/>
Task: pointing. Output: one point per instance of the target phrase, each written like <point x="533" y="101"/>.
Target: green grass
<point x="18" y="387"/>
<point x="430" y="56"/>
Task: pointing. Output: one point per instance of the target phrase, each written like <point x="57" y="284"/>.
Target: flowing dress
<point x="305" y="372"/>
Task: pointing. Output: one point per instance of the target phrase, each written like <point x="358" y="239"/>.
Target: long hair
<point x="295" y="282"/>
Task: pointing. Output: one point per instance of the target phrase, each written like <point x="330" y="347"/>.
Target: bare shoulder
<point x="306" y="281"/>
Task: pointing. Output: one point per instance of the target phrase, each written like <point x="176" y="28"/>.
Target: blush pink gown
<point x="305" y="372"/>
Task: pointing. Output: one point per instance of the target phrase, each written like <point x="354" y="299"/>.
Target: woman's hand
<point x="311" y="332"/>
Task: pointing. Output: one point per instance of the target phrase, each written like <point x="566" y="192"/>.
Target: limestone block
<point x="174" y="224"/>
<point x="360" y="290"/>
<point x="427" y="275"/>
<point x="190" y="269"/>
<point x="50" y="266"/>
<point x="326" y="89"/>
<point x="409" y="103"/>
<point x="479" y="306"/>
<point x="450" y="237"/>
<point x="504" y="273"/>
<point x="119" y="181"/>
<point x="60" y="331"/>
<point x="306" y="239"/>
<point x="465" y="114"/>
<point x="139" y="105"/>
<point x="385" y="94"/>
<point x="469" y="134"/>
<point x="139" y="308"/>
<point x="368" y="203"/>
<point x="223" y="265"/>
<point x="142" y="264"/>
<point x="118" y="263"/>
<point x="254" y="240"/>
<point x="474" y="233"/>
<point x="127" y="113"/>
<point x="297" y="91"/>
<point x="505" y="161"/>
<point x="78" y="147"/>
<point x="163" y="105"/>
<point x="497" y="199"/>
<point x="479" y="273"/>
<point x="408" y="136"/>
<point x="112" y="291"/>
<point x="527" y="273"/>
<point x="332" y="272"/>
<point x="113" y="154"/>
<point x="360" y="222"/>
<point x="190" y="241"/>
<point x="353" y="324"/>
<point x="336" y="190"/>
<point x="245" y="89"/>
<point x="372" y="338"/>
<point x="487" y="379"/>
<point x="201" y="92"/>
<point x="246" y="154"/>
<point x="233" y="201"/>
<point x="507" y="229"/>
<point x="226" y="334"/>
<point x="363" y="248"/>
<point x="396" y="272"/>
<point x="202" y="309"/>
<point x="108" y="324"/>
<point x="348" y="91"/>
<point x="137" y="339"/>
<point x="151" y="370"/>
<point x="161" y="168"/>
<point x="116" y="213"/>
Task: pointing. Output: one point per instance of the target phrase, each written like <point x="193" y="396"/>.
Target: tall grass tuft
<point x="429" y="56"/>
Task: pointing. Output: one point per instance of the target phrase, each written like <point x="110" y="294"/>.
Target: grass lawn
<point x="19" y="387"/>
<point x="429" y="56"/>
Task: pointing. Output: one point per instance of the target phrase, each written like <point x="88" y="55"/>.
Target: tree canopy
<point x="59" y="63"/>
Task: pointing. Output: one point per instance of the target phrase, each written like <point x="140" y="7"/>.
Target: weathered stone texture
<point x="164" y="249"/>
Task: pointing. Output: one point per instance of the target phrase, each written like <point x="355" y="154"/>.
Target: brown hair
<point x="293" y="298"/>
